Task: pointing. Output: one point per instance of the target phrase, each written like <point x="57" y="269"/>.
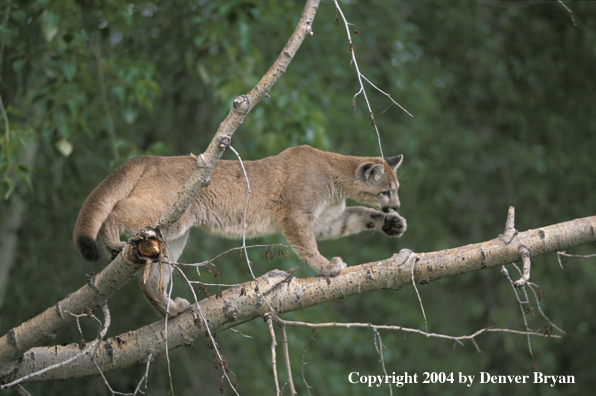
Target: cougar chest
<point x="327" y="215"/>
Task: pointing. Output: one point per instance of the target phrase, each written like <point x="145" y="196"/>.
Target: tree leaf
<point x="69" y="69"/>
<point x="6" y="188"/>
<point x="64" y="147"/>
<point x="24" y="172"/>
<point x="49" y="24"/>
<point x="130" y="115"/>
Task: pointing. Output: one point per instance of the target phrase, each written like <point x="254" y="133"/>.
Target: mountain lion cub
<point x="299" y="193"/>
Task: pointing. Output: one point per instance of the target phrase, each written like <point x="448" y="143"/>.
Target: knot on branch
<point x="91" y="281"/>
<point x="231" y="311"/>
<point x="223" y="142"/>
<point x="148" y="244"/>
<point x="402" y="257"/>
<point x="242" y="104"/>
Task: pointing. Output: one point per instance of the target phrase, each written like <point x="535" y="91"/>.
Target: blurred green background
<point x="503" y="97"/>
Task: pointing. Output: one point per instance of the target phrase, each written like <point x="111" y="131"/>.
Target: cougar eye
<point x="386" y="193"/>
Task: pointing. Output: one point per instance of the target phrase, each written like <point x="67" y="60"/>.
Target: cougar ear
<point x="394" y="162"/>
<point x="369" y="171"/>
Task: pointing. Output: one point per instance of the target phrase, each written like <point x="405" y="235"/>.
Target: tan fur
<point x="299" y="193"/>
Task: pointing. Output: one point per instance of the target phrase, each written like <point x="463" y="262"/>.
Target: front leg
<point x="355" y="219"/>
<point x="299" y="233"/>
<point x="392" y="224"/>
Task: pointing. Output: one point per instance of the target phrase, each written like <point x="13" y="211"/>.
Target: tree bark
<point x="11" y="218"/>
<point x="285" y="293"/>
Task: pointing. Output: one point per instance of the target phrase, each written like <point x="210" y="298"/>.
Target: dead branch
<point x="360" y="77"/>
<point x="457" y="339"/>
<point x="286" y="293"/>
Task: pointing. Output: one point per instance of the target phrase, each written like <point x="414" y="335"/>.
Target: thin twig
<point x="87" y="350"/>
<point x="408" y="330"/>
<point x="559" y="254"/>
<point x="360" y="77"/>
<point x="576" y="255"/>
<point x="386" y="94"/>
<point x="145" y="377"/>
<point x="418" y="294"/>
<point x="244" y="212"/>
<point x="210" y="262"/>
<point x="105" y="380"/>
<point x="204" y="321"/>
<point x="233" y="325"/>
<point x="22" y="391"/>
<point x="537" y="299"/>
<point x="379" y="347"/>
<point x="269" y="319"/>
<point x="303" y="363"/>
<point x="284" y="344"/>
<point x="167" y="316"/>
<point x="234" y="331"/>
<point x="569" y="11"/>
<point x="215" y="284"/>
<point x="244" y="225"/>
<point x="506" y="273"/>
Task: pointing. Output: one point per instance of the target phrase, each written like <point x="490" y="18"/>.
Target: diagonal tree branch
<point x="287" y="293"/>
<point x="58" y="317"/>
<point x="100" y="287"/>
<point x="241" y="107"/>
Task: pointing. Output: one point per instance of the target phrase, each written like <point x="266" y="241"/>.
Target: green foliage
<point x="503" y="106"/>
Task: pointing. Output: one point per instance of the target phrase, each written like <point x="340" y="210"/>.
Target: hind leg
<point x="110" y="236"/>
<point x="155" y="281"/>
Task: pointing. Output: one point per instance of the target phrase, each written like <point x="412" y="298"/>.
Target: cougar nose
<point x="391" y="208"/>
<point x="394" y="207"/>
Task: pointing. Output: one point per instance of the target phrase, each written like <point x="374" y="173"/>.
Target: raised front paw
<point x="393" y="224"/>
<point x="333" y="268"/>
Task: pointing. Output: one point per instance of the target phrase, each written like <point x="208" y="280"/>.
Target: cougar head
<point x="378" y="184"/>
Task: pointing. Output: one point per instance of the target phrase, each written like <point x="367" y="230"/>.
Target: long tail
<point x="99" y="204"/>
